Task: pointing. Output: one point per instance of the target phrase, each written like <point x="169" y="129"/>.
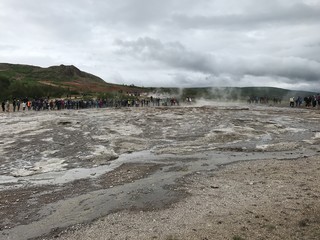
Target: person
<point x="18" y="105"/>
<point x="314" y="101"/>
<point x="3" y="104"/>
<point x="307" y="100"/>
<point x="7" y="105"/>
<point x="298" y="101"/>
<point x="29" y="105"/>
<point x="14" y="104"/>
<point x="24" y="105"/>
<point x="292" y="102"/>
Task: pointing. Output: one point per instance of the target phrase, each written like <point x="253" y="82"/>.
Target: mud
<point x="61" y="169"/>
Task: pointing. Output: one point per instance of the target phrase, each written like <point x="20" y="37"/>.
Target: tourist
<point x="3" y="104"/>
<point x="24" y="105"/>
<point x="292" y="102"/>
<point x="14" y="104"/>
<point x="18" y="105"/>
<point x="7" y="105"/>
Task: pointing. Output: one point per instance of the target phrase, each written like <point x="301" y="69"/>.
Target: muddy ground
<point x="198" y="172"/>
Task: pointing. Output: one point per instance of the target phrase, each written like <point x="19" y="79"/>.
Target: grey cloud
<point x="176" y="55"/>
<point x="190" y="42"/>
<point x="44" y="20"/>
<point x="289" y="67"/>
<point x="172" y="54"/>
<point x="141" y="12"/>
<point x="296" y="14"/>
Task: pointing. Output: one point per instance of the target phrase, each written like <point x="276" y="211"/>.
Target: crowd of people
<point x="60" y="104"/>
<point x="68" y="103"/>
<point x="309" y="101"/>
<point x="264" y="100"/>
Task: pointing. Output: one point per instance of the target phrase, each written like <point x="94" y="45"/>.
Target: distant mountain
<point x="17" y="80"/>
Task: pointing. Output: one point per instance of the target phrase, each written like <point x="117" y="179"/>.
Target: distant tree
<point x="17" y="90"/>
<point x="4" y="82"/>
<point x="4" y="87"/>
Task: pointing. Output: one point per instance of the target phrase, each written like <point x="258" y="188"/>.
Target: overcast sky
<point x="178" y="43"/>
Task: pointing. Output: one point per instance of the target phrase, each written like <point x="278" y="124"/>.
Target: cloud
<point x="256" y="18"/>
<point x="170" y="42"/>
<point x="175" y="55"/>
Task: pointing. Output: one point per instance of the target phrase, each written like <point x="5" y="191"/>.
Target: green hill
<point x="17" y="80"/>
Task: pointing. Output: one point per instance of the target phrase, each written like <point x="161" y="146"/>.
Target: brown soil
<point x="267" y="199"/>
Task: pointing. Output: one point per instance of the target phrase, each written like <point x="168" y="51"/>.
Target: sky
<point x="169" y="43"/>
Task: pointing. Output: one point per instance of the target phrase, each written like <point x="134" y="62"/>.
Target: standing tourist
<point x="7" y="105"/>
<point x="292" y="102"/>
<point x="314" y="101"/>
<point x="3" y="104"/>
<point x="24" y="105"/>
<point x="14" y="104"/>
<point x="18" y="105"/>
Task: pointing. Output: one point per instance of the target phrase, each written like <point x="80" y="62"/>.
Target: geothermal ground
<point x="206" y="172"/>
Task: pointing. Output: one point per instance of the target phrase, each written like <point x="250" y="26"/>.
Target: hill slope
<point x="17" y="80"/>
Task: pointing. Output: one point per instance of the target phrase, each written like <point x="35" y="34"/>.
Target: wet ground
<point x="60" y="169"/>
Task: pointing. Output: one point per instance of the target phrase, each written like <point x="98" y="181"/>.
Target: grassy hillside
<point x="19" y="81"/>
